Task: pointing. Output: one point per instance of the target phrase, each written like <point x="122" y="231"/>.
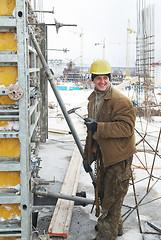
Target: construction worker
<point x="110" y="143"/>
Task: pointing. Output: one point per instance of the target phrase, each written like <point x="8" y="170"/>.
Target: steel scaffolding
<point x="145" y="58"/>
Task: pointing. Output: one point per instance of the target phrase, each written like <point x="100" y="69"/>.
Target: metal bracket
<point x="3" y="91"/>
<point x="15" y="92"/>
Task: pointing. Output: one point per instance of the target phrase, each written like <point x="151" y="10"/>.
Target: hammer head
<point x="73" y="110"/>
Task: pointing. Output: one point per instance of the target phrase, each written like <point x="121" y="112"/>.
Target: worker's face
<point x="101" y="82"/>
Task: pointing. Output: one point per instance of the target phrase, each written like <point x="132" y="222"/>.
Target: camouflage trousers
<point x="113" y="186"/>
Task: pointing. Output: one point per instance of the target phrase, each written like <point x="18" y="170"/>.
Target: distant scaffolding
<point x="145" y="58"/>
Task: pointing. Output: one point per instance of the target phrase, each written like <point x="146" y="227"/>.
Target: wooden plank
<point x="60" y="222"/>
<point x="58" y="131"/>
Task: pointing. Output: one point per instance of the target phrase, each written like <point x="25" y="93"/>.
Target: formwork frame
<point x="26" y="111"/>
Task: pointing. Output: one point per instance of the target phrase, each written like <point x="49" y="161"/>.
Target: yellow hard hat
<point x="100" y="67"/>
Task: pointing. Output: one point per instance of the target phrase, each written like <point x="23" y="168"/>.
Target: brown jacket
<point x="115" y="129"/>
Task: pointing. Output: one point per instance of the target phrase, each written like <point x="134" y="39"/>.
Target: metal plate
<point x="15" y="92"/>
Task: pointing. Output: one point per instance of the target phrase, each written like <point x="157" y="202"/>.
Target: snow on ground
<point x="56" y="154"/>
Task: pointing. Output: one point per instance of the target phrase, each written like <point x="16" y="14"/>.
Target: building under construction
<point x="24" y="108"/>
<point x="147" y="104"/>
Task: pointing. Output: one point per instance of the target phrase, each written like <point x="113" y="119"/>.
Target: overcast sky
<point x="99" y="21"/>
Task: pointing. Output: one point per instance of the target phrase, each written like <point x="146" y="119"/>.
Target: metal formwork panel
<point x="23" y="82"/>
<point x="19" y="119"/>
<point x="9" y="147"/>
<point x="7" y="7"/>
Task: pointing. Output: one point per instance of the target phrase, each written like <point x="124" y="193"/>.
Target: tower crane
<point x="81" y="48"/>
<point x="103" y="44"/>
<point x="129" y="31"/>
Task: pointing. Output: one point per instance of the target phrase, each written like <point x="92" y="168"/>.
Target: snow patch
<point x="17" y="187"/>
<point x="131" y="234"/>
<point x="11" y="126"/>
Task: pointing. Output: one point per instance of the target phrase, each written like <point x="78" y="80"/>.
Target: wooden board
<point x="60" y="222"/>
<point x="52" y="130"/>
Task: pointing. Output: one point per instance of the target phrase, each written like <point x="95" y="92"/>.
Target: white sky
<point x="99" y="20"/>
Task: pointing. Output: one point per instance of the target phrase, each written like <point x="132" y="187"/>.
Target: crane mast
<point x="129" y="31"/>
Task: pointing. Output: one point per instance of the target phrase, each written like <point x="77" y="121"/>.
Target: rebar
<point x="154" y="160"/>
<point x="145" y="58"/>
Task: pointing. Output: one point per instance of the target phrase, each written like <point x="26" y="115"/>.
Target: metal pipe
<point x="154" y="227"/>
<point x="51" y="24"/>
<point x="58" y="96"/>
<point x="83" y="201"/>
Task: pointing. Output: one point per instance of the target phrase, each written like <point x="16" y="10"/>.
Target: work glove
<point x="91" y="124"/>
<point x="86" y="166"/>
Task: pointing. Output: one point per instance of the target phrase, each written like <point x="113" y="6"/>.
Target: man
<point x="110" y="143"/>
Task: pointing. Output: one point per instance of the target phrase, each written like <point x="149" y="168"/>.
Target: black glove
<point x="86" y="166"/>
<point x="91" y="124"/>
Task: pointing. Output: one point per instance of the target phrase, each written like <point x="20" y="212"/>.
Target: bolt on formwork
<point x="145" y="50"/>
